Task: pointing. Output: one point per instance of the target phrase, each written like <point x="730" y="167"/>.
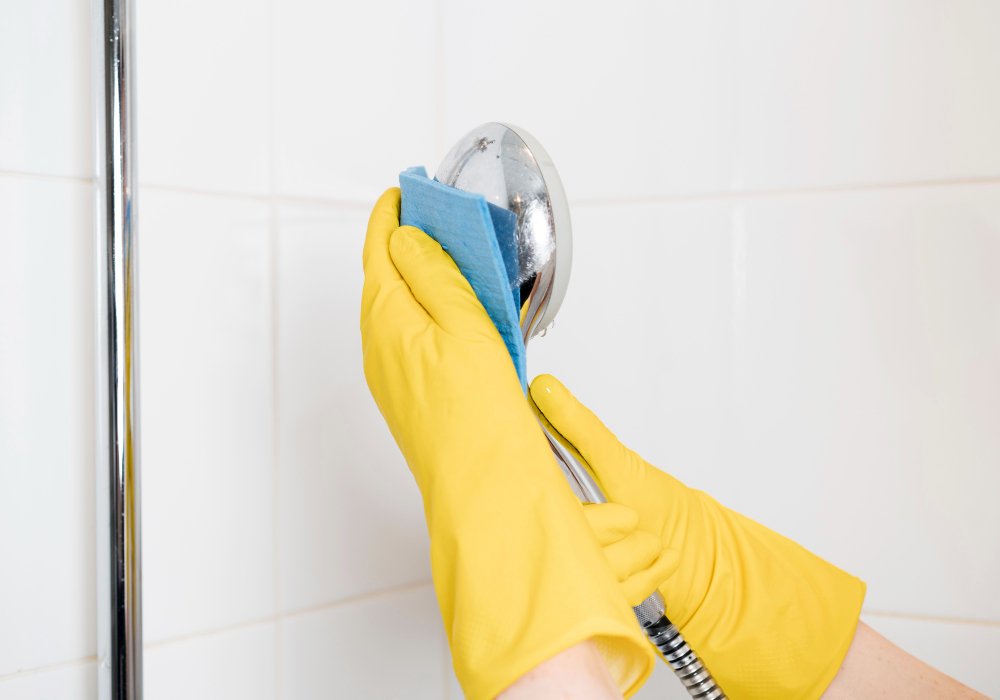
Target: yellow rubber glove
<point x="518" y="574"/>
<point x="768" y="618"/>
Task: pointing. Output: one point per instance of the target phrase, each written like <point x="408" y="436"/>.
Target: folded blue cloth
<point x="480" y="239"/>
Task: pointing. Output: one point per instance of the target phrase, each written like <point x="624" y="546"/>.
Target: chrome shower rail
<point x="119" y="603"/>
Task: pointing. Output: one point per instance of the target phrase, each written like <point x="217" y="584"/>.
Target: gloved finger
<point x="436" y="282"/>
<point x="641" y="584"/>
<point x="383" y="221"/>
<point x="382" y="280"/>
<point x="611" y="522"/>
<point x="633" y="553"/>
<point x="611" y="462"/>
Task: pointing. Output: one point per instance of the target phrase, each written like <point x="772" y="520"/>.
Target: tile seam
<point x="359" y="598"/>
<point x="55" y="666"/>
<point x="278" y="617"/>
<point x="211" y="632"/>
<point x="440" y="87"/>
<point x="293" y="200"/>
<point x="939" y="619"/>
<point x="586" y="203"/>
<point x="789" y="192"/>
<point x="273" y="244"/>
<point x="46" y="177"/>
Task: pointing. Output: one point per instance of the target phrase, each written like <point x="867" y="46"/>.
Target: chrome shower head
<point x="508" y="167"/>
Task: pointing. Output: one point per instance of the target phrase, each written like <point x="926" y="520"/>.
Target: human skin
<point x="578" y="673"/>
<point x="876" y="668"/>
<point x="873" y="668"/>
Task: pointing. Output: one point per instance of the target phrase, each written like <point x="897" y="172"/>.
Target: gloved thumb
<point x="637" y="558"/>
<point x="614" y="466"/>
<point x="436" y="282"/>
<point x="611" y="522"/>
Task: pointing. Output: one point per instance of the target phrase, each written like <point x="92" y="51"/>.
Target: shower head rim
<point x="561" y="228"/>
<point x="551" y="278"/>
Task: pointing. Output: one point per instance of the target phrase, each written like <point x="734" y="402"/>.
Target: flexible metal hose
<point x="665" y="636"/>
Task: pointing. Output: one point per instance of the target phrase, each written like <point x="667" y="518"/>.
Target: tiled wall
<point x="800" y="202"/>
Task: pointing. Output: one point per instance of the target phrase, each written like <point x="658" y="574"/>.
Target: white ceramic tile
<point x="454" y="689"/>
<point x="643" y="334"/>
<point x="630" y="100"/>
<point x="47" y="594"/>
<point x="388" y="646"/>
<point x="45" y="109"/>
<point x="868" y="388"/>
<point x="203" y="100"/>
<point x="966" y="652"/>
<point x="351" y="518"/>
<point x="662" y="685"/>
<point x="76" y="681"/>
<point x="238" y="663"/>
<point x="206" y="413"/>
<point x="858" y="92"/>
<point x="354" y="96"/>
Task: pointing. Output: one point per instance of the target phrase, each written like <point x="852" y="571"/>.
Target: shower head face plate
<point x="508" y="167"/>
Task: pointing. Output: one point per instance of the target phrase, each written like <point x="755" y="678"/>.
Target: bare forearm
<point x="876" y="668"/>
<point x="578" y="672"/>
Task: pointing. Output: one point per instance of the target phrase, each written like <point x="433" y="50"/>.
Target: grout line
<point x="784" y="192"/>
<point x="275" y="439"/>
<point x="587" y="203"/>
<point x="212" y="632"/>
<point x="972" y="622"/>
<point x="437" y="10"/>
<point x="263" y="198"/>
<point x="220" y="194"/>
<point x="277" y="617"/>
<point x="738" y="327"/>
<point x="275" y="450"/>
<point x="24" y="174"/>
<point x="273" y="197"/>
<point x="273" y="232"/>
<point x="35" y="670"/>
<point x="359" y="598"/>
<point x="446" y="667"/>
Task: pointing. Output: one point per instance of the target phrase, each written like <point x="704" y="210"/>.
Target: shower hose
<point x="651" y="613"/>
<point x="667" y="638"/>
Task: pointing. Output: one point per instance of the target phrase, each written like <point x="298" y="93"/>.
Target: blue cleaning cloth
<point x="467" y="227"/>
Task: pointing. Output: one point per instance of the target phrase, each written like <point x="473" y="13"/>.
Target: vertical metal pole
<point x="119" y="561"/>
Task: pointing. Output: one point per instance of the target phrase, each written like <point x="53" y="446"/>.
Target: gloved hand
<point x="518" y="574"/>
<point x="768" y="618"/>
